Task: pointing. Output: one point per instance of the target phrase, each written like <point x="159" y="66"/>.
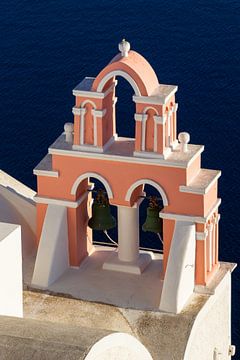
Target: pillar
<point x="209" y="247"/>
<point x="128" y="233"/>
<point x="128" y="259"/>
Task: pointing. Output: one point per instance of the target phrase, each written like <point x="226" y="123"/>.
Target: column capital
<point x="201" y="235"/>
<point x="140" y="117"/>
<point x="160" y="119"/>
<point x="78" y="111"/>
<point x="210" y="227"/>
<point x="99" y="113"/>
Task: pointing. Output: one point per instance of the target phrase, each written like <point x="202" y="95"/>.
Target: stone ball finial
<point x="124" y="47"/>
<point x="184" y="139"/>
<point x="68" y="129"/>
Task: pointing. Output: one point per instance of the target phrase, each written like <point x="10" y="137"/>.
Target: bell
<point x="153" y="223"/>
<point x="101" y="215"/>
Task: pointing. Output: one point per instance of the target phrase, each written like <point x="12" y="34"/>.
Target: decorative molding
<point x="140" y="117"/>
<point x="150" y="108"/>
<point x="191" y="218"/>
<point x="147" y="182"/>
<point x="155" y="99"/>
<point x="49" y="173"/>
<point x="87" y="101"/>
<point x="99" y="113"/>
<point x="201" y="235"/>
<point x="78" y="111"/>
<point x="175" y="107"/>
<point x="160" y="119"/>
<point x="199" y="190"/>
<point x="92" y="148"/>
<point x="119" y="73"/>
<point x="94" y="94"/>
<point x="95" y="175"/>
<point x="87" y="148"/>
<point x="146" y="158"/>
<point x="60" y="202"/>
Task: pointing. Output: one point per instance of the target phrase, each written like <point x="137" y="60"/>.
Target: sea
<point x="48" y="46"/>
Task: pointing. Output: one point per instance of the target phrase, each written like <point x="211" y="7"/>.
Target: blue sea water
<point x="47" y="47"/>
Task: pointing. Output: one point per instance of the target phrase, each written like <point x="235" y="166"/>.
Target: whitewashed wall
<point x="11" y="303"/>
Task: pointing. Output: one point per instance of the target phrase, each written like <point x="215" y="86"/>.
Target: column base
<point x="136" y="267"/>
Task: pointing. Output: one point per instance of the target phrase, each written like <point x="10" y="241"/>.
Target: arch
<point x="140" y="73"/>
<point x="147" y="182"/>
<point x="95" y="175"/>
<point x="124" y="74"/>
<point x="119" y="346"/>
<point x="150" y="108"/>
<point x="88" y="102"/>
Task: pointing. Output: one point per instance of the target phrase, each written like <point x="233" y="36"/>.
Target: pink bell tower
<point x="157" y="156"/>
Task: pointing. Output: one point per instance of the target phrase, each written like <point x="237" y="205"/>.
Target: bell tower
<point x="157" y="156"/>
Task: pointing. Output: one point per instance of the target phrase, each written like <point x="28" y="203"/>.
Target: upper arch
<point x="95" y="175"/>
<point x="147" y="182"/>
<point x="136" y="67"/>
<point x="87" y="101"/>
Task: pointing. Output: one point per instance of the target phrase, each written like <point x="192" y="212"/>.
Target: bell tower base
<point x="131" y="267"/>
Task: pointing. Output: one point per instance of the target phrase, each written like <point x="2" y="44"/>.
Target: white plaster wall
<point x="52" y="256"/>
<point x="212" y="327"/>
<point x="118" y="346"/>
<point x="178" y="282"/>
<point x="11" y="303"/>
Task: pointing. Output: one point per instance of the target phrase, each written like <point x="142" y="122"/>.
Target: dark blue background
<point x="47" y="47"/>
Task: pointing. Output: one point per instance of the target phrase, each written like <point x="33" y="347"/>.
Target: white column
<point x="114" y="114"/>
<point x="96" y="114"/>
<point x="157" y="120"/>
<point x="142" y="118"/>
<point x="216" y="238"/>
<point x="82" y="123"/>
<point x="128" y="233"/>
<point x="168" y="133"/>
<point x="175" y="107"/>
<point x="209" y="247"/>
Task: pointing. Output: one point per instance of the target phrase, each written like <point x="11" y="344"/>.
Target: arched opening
<point x="150" y="239"/>
<point x="147" y="190"/>
<point x="150" y="129"/>
<point x="124" y="109"/>
<point x="99" y="237"/>
<point x="93" y="183"/>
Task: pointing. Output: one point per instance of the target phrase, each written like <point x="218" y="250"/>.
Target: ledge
<point x="202" y="183"/>
<point x="122" y="150"/>
<point x="44" y="168"/>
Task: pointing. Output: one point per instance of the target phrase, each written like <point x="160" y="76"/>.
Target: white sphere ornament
<point x="124" y="47"/>
<point x="184" y="139"/>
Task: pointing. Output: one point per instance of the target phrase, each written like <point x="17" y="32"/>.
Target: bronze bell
<point x="153" y="222"/>
<point x="102" y="218"/>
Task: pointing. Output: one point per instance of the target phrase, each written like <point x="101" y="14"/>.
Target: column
<point x="216" y="238"/>
<point x="175" y="121"/>
<point x="213" y="241"/>
<point x="142" y="118"/>
<point x="159" y="123"/>
<point x="201" y="258"/>
<point x="128" y="233"/>
<point x="209" y="247"/>
<point x="82" y="124"/>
